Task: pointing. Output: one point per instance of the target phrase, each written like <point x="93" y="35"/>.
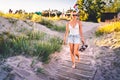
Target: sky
<point x="36" y="5"/>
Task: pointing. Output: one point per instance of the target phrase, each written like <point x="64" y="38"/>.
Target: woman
<point x="74" y="33"/>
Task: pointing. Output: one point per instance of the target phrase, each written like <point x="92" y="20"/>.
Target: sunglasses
<point x="75" y="15"/>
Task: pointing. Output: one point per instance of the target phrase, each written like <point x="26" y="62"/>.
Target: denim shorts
<point x="75" y="39"/>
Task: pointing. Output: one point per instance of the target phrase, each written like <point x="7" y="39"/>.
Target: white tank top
<point x="75" y="30"/>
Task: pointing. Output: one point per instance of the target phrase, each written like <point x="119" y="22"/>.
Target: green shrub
<point x="59" y="28"/>
<point x="44" y="49"/>
<point x="56" y="44"/>
<point x="4" y="47"/>
<point x="40" y="70"/>
<point x="49" y="24"/>
<point x="98" y="33"/>
<point x="109" y="28"/>
<point x="41" y="48"/>
<point x="20" y="44"/>
<point x="36" y="35"/>
<point x="46" y="22"/>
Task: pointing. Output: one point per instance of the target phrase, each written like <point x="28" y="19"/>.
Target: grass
<point x="20" y="44"/>
<point x="49" y="24"/>
<point x="35" y="44"/>
<point x="108" y="28"/>
<point x="58" y="28"/>
<point x="40" y="70"/>
<point x="32" y="63"/>
<point x="36" y="35"/>
<point x="44" y="49"/>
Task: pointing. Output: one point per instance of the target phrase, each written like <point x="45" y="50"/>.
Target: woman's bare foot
<point x="73" y="66"/>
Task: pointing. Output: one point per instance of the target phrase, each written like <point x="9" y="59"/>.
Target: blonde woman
<point x="74" y="35"/>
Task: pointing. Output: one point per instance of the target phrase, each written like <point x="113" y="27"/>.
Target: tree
<point x="112" y="6"/>
<point x="92" y="8"/>
<point x="51" y="13"/>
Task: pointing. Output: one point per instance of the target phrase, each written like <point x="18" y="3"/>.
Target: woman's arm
<point x="81" y="32"/>
<point x="66" y="33"/>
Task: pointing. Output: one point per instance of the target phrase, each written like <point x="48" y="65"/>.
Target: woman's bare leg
<point x="76" y="46"/>
<point x="72" y="54"/>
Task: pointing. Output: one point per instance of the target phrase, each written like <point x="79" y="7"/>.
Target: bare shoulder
<point x="79" y="22"/>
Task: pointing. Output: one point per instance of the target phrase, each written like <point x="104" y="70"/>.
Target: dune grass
<point x="108" y="28"/>
<point x="49" y="24"/>
<point x="35" y="44"/>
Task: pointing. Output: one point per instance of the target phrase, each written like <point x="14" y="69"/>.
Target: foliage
<point x="46" y="22"/>
<point x="91" y="8"/>
<point x="112" y="6"/>
<point x="35" y="44"/>
<point x="49" y="24"/>
<point x="8" y="15"/>
<point x="36" y="35"/>
<point x="20" y="44"/>
<point x="55" y="41"/>
<point x="19" y="15"/>
<point x="83" y="15"/>
<point x="40" y="70"/>
<point x="1" y="13"/>
<point x="36" y="18"/>
<point x="108" y="28"/>
<point x="95" y="7"/>
<point x="54" y="18"/>
<point x="44" y="49"/>
<point x="51" y="13"/>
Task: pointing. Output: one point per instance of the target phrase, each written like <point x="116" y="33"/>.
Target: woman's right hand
<point x="83" y="42"/>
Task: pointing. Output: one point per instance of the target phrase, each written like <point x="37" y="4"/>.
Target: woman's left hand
<point x="83" y="42"/>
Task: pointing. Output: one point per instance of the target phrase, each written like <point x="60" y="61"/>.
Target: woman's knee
<point x="72" y="53"/>
<point x="75" y="52"/>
